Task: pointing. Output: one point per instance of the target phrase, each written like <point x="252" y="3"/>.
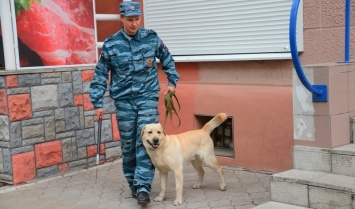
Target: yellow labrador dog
<point x="170" y="152"/>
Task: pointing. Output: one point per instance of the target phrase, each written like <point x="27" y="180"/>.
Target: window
<point x="231" y="28"/>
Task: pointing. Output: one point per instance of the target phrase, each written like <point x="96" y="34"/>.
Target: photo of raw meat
<point x="60" y="32"/>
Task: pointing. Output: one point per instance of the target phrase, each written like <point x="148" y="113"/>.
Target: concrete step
<point x="277" y="205"/>
<point x="340" y="160"/>
<point x="343" y="160"/>
<point x="312" y="189"/>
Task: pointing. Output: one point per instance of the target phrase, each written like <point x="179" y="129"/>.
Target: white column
<point x="8" y="34"/>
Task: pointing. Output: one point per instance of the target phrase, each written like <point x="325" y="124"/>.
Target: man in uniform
<point x="129" y="55"/>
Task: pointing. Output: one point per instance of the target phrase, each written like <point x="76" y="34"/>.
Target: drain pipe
<point x="8" y="38"/>
<point x="347" y="30"/>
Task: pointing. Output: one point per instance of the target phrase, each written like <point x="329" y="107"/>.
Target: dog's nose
<point x="155" y="140"/>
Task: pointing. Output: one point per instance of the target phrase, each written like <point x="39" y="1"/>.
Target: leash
<point x="98" y="144"/>
<point x="170" y="108"/>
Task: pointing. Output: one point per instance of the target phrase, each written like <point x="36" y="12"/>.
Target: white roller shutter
<point x="223" y="27"/>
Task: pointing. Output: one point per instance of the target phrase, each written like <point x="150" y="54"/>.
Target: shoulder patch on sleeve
<point x="164" y="46"/>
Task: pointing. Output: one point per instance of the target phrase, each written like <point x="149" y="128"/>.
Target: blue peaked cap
<point x="130" y="8"/>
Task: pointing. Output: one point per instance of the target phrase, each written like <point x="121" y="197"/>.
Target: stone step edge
<point x="317" y="179"/>
<point x="277" y="205"/>
<point x="348" y="149"/>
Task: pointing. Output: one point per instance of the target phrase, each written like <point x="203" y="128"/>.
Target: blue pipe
<point x="319" y="92"/>
<point x="347" y="30"/>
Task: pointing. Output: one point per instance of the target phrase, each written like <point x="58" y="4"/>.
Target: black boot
<point x="143" y="198"/>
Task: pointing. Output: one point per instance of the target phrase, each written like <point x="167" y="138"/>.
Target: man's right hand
<point x="99" y="113"/>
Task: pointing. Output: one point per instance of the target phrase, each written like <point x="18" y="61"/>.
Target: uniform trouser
<point x="132" y="115"/>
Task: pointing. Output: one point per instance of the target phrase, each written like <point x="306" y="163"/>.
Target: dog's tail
<point x="214" y="122"/>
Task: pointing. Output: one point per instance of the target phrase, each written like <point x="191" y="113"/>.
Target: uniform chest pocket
<point x="120" y="63"/>
<point x="148" y="61"/>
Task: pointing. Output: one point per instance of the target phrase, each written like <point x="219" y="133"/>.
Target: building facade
<point x="47" y="125"/>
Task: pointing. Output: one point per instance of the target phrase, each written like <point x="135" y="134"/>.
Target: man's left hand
<point x="170" y="88"/>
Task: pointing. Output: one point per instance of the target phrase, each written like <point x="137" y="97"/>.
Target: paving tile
<point x="77" y="190"/>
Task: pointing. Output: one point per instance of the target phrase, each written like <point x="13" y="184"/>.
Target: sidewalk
<point x="77" y="190"/>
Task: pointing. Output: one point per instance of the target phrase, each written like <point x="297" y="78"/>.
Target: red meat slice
<point x="60" y="31"/>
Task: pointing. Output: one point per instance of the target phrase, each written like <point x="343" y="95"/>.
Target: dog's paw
<point x="196" y="186"/>
<point x="223" y="187"/>
<point x="178" y="202"/>
<point x="159" y="199"/>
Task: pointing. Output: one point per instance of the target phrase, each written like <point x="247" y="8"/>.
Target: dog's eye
<point x="159" y="132"/>
<point x="150" y="132"/>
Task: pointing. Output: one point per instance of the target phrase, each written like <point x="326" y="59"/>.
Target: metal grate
<point x="222" y="136"/>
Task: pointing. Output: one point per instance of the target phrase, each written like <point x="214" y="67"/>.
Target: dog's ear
<point x="142" y="132"/>
<point x="162" y="129"/>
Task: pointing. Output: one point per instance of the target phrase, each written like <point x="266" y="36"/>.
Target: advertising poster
<point x="55" y="32"/>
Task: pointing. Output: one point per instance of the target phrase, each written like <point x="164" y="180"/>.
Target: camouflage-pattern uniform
<point x="134" y="86"/>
